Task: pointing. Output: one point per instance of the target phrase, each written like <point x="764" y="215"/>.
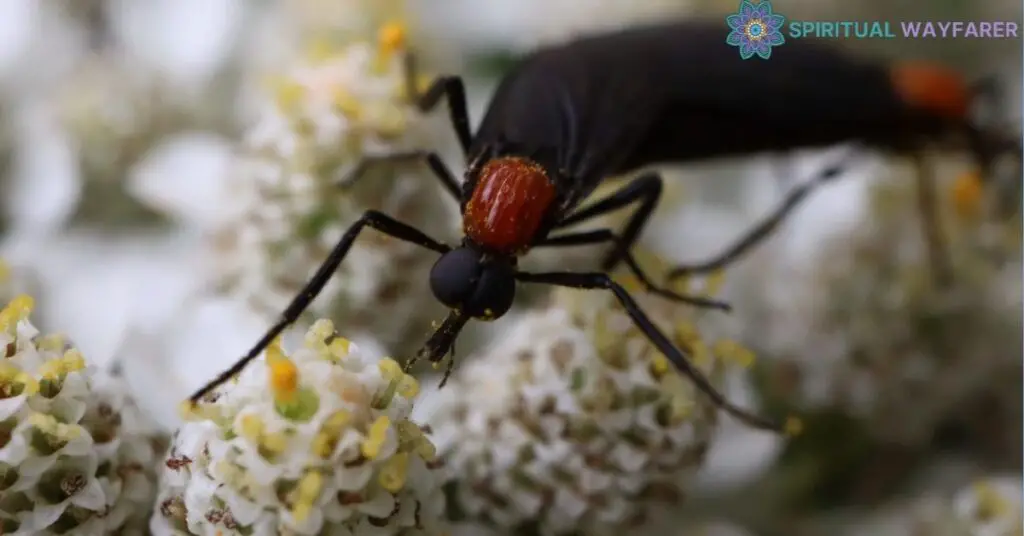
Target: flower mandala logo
<point x="755" y="29"/>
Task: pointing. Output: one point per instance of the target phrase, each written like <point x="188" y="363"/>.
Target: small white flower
<point x="326" y="114"/>
<point x="990" y="506"/>
<point x="318" y="442"/>
<point x="573" y="421"/>
<point x="865" y="329"/>
<point x="76" y="455"/>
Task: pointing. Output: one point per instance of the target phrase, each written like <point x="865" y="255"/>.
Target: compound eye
<point x="494" y="294"/>
<point x="454" y="276"/>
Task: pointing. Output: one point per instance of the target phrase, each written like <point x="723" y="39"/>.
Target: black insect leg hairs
<point x="372" y="219"/>
<point x="766" y="227"/>
<point x="599" y="280"/>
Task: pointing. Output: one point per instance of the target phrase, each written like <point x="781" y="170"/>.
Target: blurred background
<point x="162" y="212"/>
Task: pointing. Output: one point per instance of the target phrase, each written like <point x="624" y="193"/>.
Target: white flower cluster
<point x="871" y="332"/>
<point x="327" y="114"/>
<point x="319" y="442"/>
<point x="988" y="507"/>
<point x="76" y="456"/>
<point x="574" y="423"/>
<point x="114" y="112"/>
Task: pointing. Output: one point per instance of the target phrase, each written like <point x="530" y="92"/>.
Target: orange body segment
<point x="508" y="205"/>
<point x="932" y="87"/>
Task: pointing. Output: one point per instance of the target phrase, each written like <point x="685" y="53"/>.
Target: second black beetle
<point x="571" y="116"/>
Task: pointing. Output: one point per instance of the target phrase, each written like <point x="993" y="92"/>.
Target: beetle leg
<point x="598" y="280"/>
<point x="437" y="168"/>
<point x="645" y="190"/>
<point x="605" y="235"/>
<point x="450" y="87"/>
<point x="762" y="230"/>
<point x="371" y="218"/>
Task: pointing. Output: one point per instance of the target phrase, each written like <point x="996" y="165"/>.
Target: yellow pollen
<point x="990" y="503"/>
<point x="967" y="192"/>
<point x="284" y="380"/>
<point x="31" y="385"/>
<point x="340" y="347"/>
<point x="715" y="281"/>
<point x="250" y="426"/>
<point x="310" y="486"/>
<point x="794" y="426"/>
<point x="274" y="352"/>
<point x="51" y="370"/>
<point x="378" y="432"/>
<point x="346" y="103"/>
<point x="52" y="343"/>
<point x="408" y="387"/>
<point x="391" y="37"/>
<point x="276" y="443"/>
<point x="389" y="368"/>
<point x="394" y="472"/>
<point x="735" y="352"/>
<point x="426" y="450"/>
<point x="659" y="365"/>
<point x="17" y="309"/>
<point x="321" y="329"/>
<point x="74" y="360"/>
<point x="287" y="93"/>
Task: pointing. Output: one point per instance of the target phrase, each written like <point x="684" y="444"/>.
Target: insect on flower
<point x="574" y="115"/>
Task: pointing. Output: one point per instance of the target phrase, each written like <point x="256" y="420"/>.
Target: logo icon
<point x="755" y="29"/>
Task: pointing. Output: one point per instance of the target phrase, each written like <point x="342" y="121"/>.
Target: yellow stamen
<point x="426" y="450"/>
<point x="408" y="387"/>
<point x="284" y="380"/>
<point x="391" y="38"/>
<point x="389" y="369"/>
<point x="327" y="438"/>
<point x="250" y="426"/>
<point x="735" y="352"/>
<point x="967" y="193"/>
<point x="659" y="365"/>
<point x="378" y="432"/>
<point x="287" y="93"/>
<point x="340" y="347"/>
<point x="991" y="504"/>
<point x="394" y="472"/>
<point x="73" y="360"/>
<point x="276" y="443"/>
<point x="274" y="352"/>
<point x="715" y="281"/>
<point x="17" y="309"/>
<point x="51" y="343"/>
<point x="30" y="383"/>
<point x="321" y="330"/>
<point x="346" y="103"/>
<point x="794" y="426"/>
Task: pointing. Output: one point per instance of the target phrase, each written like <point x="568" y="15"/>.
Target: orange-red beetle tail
<point x="935" y="88"/>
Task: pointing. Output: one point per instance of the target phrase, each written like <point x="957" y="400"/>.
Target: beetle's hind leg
<point x="764" y="229"/>
<point x="449" y="87"/>
<point x="600" y="236"/>
<point x="645" y="190"/>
